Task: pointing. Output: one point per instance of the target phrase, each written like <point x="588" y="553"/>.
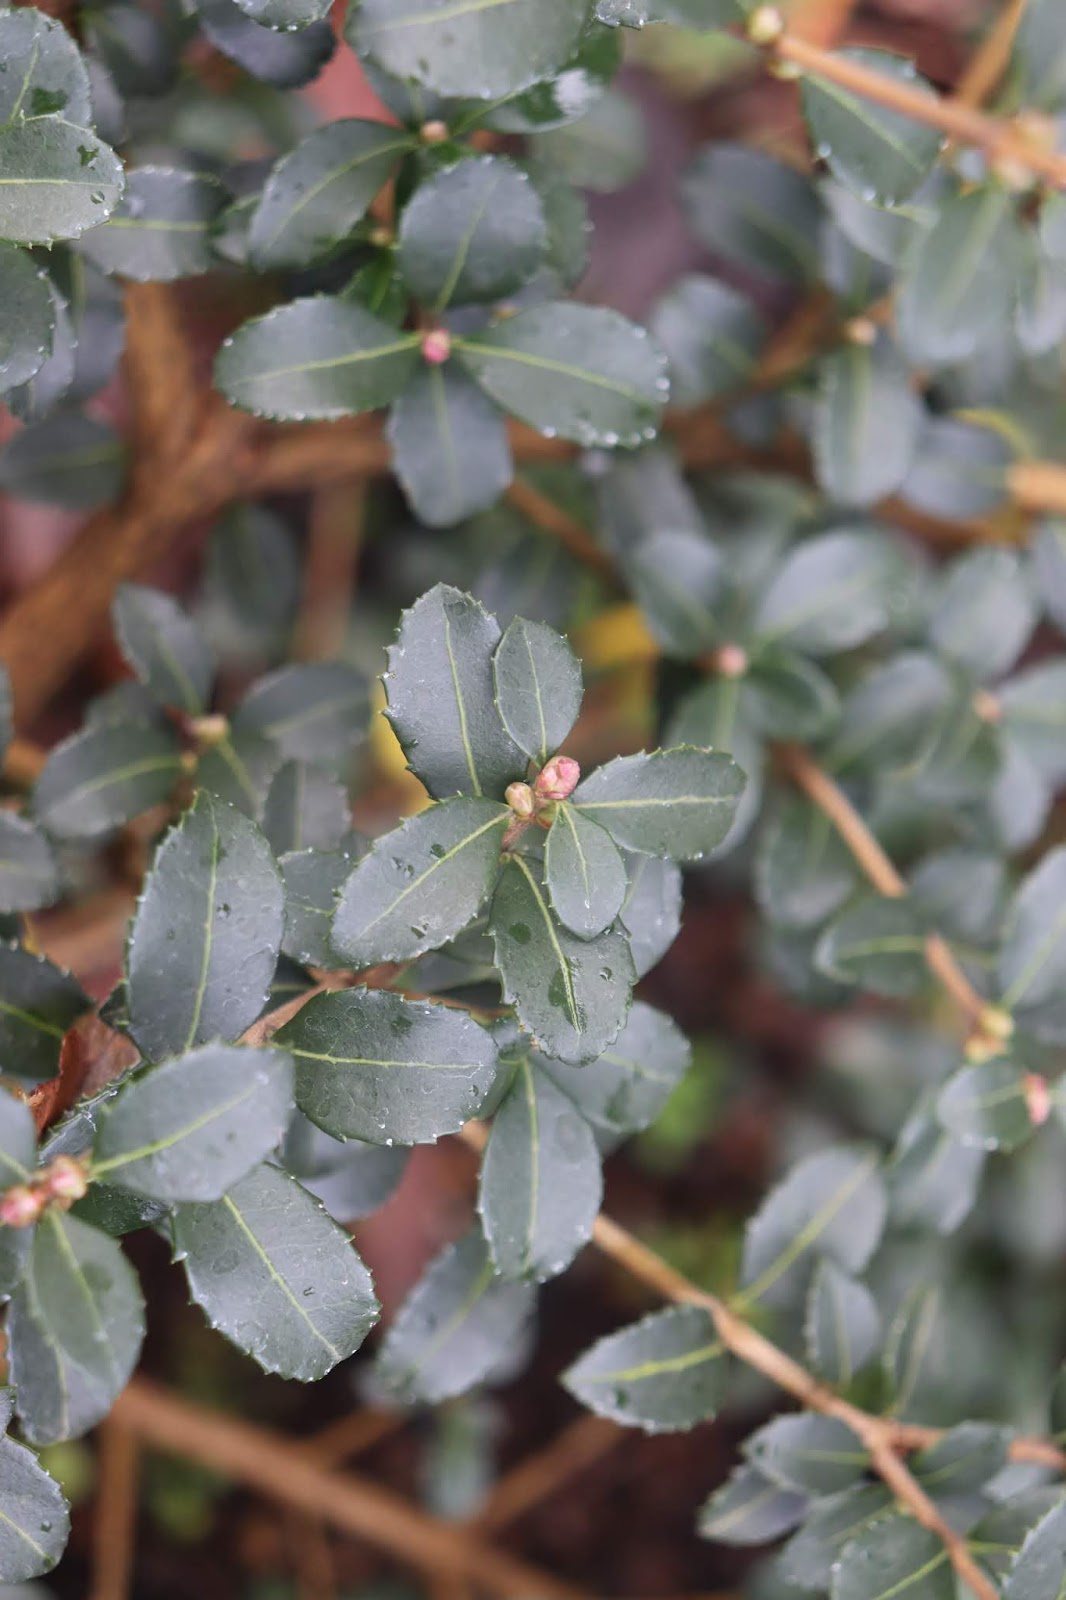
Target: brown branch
<point x="273" y="1465"/>
<point x="540" y="1475"/>
<point x="115" y="1515"/>
<point x="165" y="402"/>
<point x="334" y="537"/>
<point x="353" y="1434"/>
<point x="571" y="534"/>
<point x="992" y="57"/>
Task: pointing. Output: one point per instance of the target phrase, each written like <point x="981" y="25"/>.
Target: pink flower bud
<point x="520" y="798"/>
<point x="731" y="660"/>
<point x="21" y="1206"/>
<point x="437" y="346"/>
<point x="65" y="1179"/>
<point x="433" y="132"/>
<point x="558" y="779"/>
<point x="1037" y="1098"/>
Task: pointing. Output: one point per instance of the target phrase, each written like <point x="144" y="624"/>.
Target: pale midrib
<point x="806" y="1236"/>
<point x="327" y="363"/>
<point x="209" y="939"/>
<point x="446" y="13"/>
<point x="594" y="380"/>
<point x="568" y="980"/>
<point x="371" y="1061"/>
<point x="534" y="1163"/>
<point x="276" y="1277"/>
<point x="135" y="769"/>
<point x="31" y="1021"/>
<point x="655" y="1369"/>
<point x="312" y="193"/>
<point x="449" y="855"/>
<point x="464" y="732"/>
<point x="170" y="1140"/>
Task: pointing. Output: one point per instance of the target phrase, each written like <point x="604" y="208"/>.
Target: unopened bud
<point x="21" y="1206"/>
<point x="980" y="1048"/>
<point x="521" y="799"/>
<point x="381" y="235"/>
<point x="558" y="780"/>
<point x="861" y="330"/>
<point x="437" y="346"/>
<point x="996" y="1022"/>
<point x="433" y="132"/>
<point x="65" y="1179"/>
<point x="731" y="660"/>
<point x="987" y="706"/>
<point x="765" y="25"/>
<point x="1037" y="1098"/>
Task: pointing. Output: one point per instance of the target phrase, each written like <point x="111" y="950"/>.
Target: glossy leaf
<point x="867" y="423"/>
<point x="541" y="1185"/>
<point x="584" y="873"/>
<point x="441" y="697"/>
<point x="29" y="875"/>
<point x="27" y="313"/>
<point x="877" y="943"/>
<point x="276" y="1275"/>
<point x="471" y="233"/>
<point x="285" y="60"/>
<point x="65" y="460"/>
<point x="164" y="647"/>
<point x="313" y="881"/>
<point x="205" y="940"/>
<point x="832" y="593"/>
<point x="161" y="229"/>
<point x="285" y="14"/>
<point x="665" y="1373"/>
<point x="189" y="1129"/>
<point x="986" y="598"/>
<point x="959" y="284"/>
<point x="965" y="1458"/>
<point x="582" y="372"/>
<point x="651" y="910"/>
<point x="626" y="1087"/>
<point x="809" y="1454"/>
<point x="44" y="71"/>
<point x="538" y="685"/>
<point x="450" y="448"/>
<point x="98" y="779"/>
<point x="804" y="871"/>
<point x="934" y="1177"/>
<point x="459" y="1321"/>
<point x="987" y="1105"/>
<point x="831" y="1205"/>
<point x="421" y="884"/>
<point x="59" y="180"/>
<point x="36" y="1519"/>
<point x="377" y="1067"/>
<point x="678" y="579"/>
<point x="753" y="212"/>
<point x="748" y="1509"/>
<point x="880" y="153"/>
<point x="809" y="1559"/>
<point x="571" y="994"/>
<point x="843" y="1325"/>
<point x="317" y="711"/>
<point x="1037" y="1572"/>
<point x="713" y="338"/>
<point x="74" y="1329"/>
<point x="891" y="1556"/>
<point x="305" y="809"/>
<point x="678" y="803"/>
<point x="1032" y="962"/>
<point x="38" y="1003"/>
<point x="317" y="193"/>
<point x="322" y="357"/>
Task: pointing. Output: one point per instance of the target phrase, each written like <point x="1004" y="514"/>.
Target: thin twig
<point x="578" y="1446"/>
<point x="571" y="534"/>
<point x="334" y="537"/>
<point x="353" y="1434"/>
<point x="115" y="1512"/>
<point x="992" y="57"/>
<point x="272" y="1464"/>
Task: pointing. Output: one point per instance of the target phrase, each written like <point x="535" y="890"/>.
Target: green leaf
<point x="877" y="943"/>
<point x="422" y="883"/>
<point x="74" y="1329"/>
<point x="317" y="193"/>
<point x="662" y="1374"/>
<point x="888" y="717"/>
<point x="581" y="372"/>
<point x="56" y="180"/>
<point x="240" y="769"/>
<point x="713" y="337"/>
<point x="960" y="470"/>
<point x="832" y="592"/>
<point x="678" y="803"/>
<point x="44" y="71"/>
<point x="678" y="579"/>
<point x="285" y="14"/>
<point x="285" y="60"/>
<point x="933" y="1177"/>
<point x="986" y="1105"/>
<point x="481" y="52"/>
<point x="65" y="460"/>
<point x="809" y="1454"/>
<point x="441" y="698"/>
<point x="450" y="448"/>
<point x="809" y="1559"/>
<point x="323" y="357"/>
<point x="571" y="994"/>
<point x="318" y="711"/>
<point x="205" y="940"/>
<point x="882" y="154"/>
<point x="748" y="1509"/>
<point x="541" y="1184"/>
<point x="27" y="315"/>
<point x="104" y="776"/>
<point x="916" y="1355"/>
<point x="276" y="1275"/>
<point x="985" y="613"/>
<point x="866" y="424"/>
<point x="1037" y="1571"/>
<point x="961" y="892"/>
<point x="626" y="1087"/>
<point x="457" y="1324"/>
<point x="35" y="1521"/>
<point x="999" y="1535"/>
<point x="313" y="882"/>
<point x="252" y="584"/>
<point x="567" y="220"/>
<point x="18" y="1157"/>
<point x="958" y="289"/>
<point x="52" y="382"/>
<point x="374" y="1066"/>
<point x="843" y="1325"/>
<point x="891" y="1557"/>
<point x="1032" y="962"/>
<point x="832" y="1205"/>
<point x="188" y="1130"/>
<point x="538" y="687"/>
<point x="584" y="873"/>
<point x="964" y="1459"/>
<point x="753" y="212"/>
<point x="352" y="1180"/>
<point x="1033" y="707"/>
<point x="38" y="1003"/>
<point x="164" y="647"/>
<point x="29" y="875"/>
<point x="803" y="872"/>
<point x="137" y="48"/>
<point x="566" y="95"/>
<point x="1040" y="55"/>
<point x="471" y="233"/>
<point x="161" y="228"/>
<point x="651" y="910"/>
<point x="788" y="697"/>
<point x="305" y="809"/>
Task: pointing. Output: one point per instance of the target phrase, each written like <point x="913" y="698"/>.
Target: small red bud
<point x="433" y="132"/>
<point x="1037" y="1098"/>
<point x="558" y="780"/>
<point x="65" y="1180"/>
<point x="437" y="346"/>
<point x="21" y="1206"/>
<point x="731" y="660"/>
<point x="521" y="799"/>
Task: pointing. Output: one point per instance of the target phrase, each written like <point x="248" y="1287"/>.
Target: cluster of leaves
<point x="418" y="266"/>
